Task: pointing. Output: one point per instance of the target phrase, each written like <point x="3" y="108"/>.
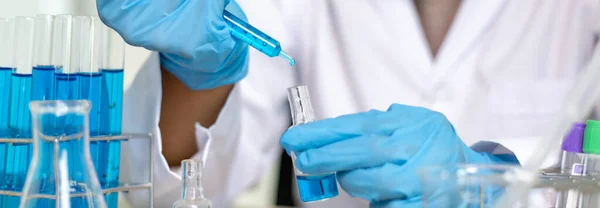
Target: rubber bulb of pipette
<point x="287" y="57"/>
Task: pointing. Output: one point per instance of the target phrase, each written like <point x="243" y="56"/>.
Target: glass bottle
<point x="191" y="196"/>
<point x="61" y="172"/>
<point x="312" y="187"/>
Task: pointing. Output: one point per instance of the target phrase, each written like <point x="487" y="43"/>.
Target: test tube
<point x="112" y="50"/>
<point x="572" y="164"/>
<point x="312" y="187"/>
<point x="6" y="65"/>
<point x="42" y="83"/>
<point x="84" y="56"/>
<point x="591" y="165"/>
<point x="20" y="118"/>
<point x="67" y="84"/>
<point x="111" y="64"/>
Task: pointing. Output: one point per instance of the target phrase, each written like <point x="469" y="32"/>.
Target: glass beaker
<point x="61" y="172"/>
<point x="476" y="186"/>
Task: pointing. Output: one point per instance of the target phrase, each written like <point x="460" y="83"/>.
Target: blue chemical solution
<point x="92" y="88"/>
<point x="18" y="156"/>
<point x="42" y="84"/>
<point x="108" y="172"/>
<point x="317" y="187"/>
<point x="254" y="37"/>
<point x="5" y="76"/>
<point x="67" y="86"/>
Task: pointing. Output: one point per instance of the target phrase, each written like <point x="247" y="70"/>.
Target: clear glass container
<point x="312" y="187"/>
<point x="191" y="194"/>
<point x="61" y="172"/>
<point x="474" y="185"/>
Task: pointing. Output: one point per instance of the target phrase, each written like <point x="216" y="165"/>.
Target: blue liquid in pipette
<point x="317" y="187"/>
<point x="42" y="83"/>
<point x="5" y="76"/>
<point x="18" y="156"/>
<point x="109" y="172"/>
<point x="254" y="37"/>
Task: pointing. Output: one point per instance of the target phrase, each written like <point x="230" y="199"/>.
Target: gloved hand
<point x="191" y="36"/>
<point x="377" y="154"/>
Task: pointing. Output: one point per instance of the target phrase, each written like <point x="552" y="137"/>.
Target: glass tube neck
<point x="192" y="179"/>
<point x="300" y="105"/>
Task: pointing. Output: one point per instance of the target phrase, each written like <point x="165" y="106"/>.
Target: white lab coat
<point x="500" y="75"/>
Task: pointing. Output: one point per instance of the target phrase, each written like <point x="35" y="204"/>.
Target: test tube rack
<point x="563" y="182"/>
<point x="124" y="186"/>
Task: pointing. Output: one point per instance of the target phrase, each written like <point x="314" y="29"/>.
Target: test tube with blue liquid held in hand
<point x="572" y="164"/>
<point x="6" y="64"/>
<point x="591" y="164"/>
<point x="255" y="38"/>
<point x="18" y="155"/>
<point x="42" y="76"/>
<point x="312" y="187"/>
<point x="111" y="60"/>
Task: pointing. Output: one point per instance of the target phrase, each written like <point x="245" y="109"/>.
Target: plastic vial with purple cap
<point x="572" y="163"/>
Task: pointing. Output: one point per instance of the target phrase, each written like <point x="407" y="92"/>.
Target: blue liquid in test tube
<point x="112" y="55"/>
<point x="113" y="83"/>
<point x="42" y="83"/>
<point x="5" y="77"/>
<point x="6" y="66"/>
<point x="18" y="155"/>
<point x="255" y="38"/>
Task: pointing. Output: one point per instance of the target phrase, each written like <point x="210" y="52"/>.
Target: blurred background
<point x="262" y="195"/>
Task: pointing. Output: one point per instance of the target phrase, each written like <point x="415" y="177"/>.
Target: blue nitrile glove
<point x="191" y="36"/>
<point x="377" y="154"/>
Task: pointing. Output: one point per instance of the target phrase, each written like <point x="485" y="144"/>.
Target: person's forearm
<point x="181" y="108"/>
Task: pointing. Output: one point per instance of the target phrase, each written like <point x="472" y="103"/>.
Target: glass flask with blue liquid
<point x="64" y="176"/>
<point x="311" y="187"/>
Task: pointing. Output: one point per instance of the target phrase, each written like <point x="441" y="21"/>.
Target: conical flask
<point x="61" y="174"/>
<point x="191" y="195"/>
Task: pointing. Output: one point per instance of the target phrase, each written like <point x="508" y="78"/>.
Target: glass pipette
<point x="255" y="38"/>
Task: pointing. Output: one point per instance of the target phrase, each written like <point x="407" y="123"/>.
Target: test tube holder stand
<point x="124" y="186"/>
